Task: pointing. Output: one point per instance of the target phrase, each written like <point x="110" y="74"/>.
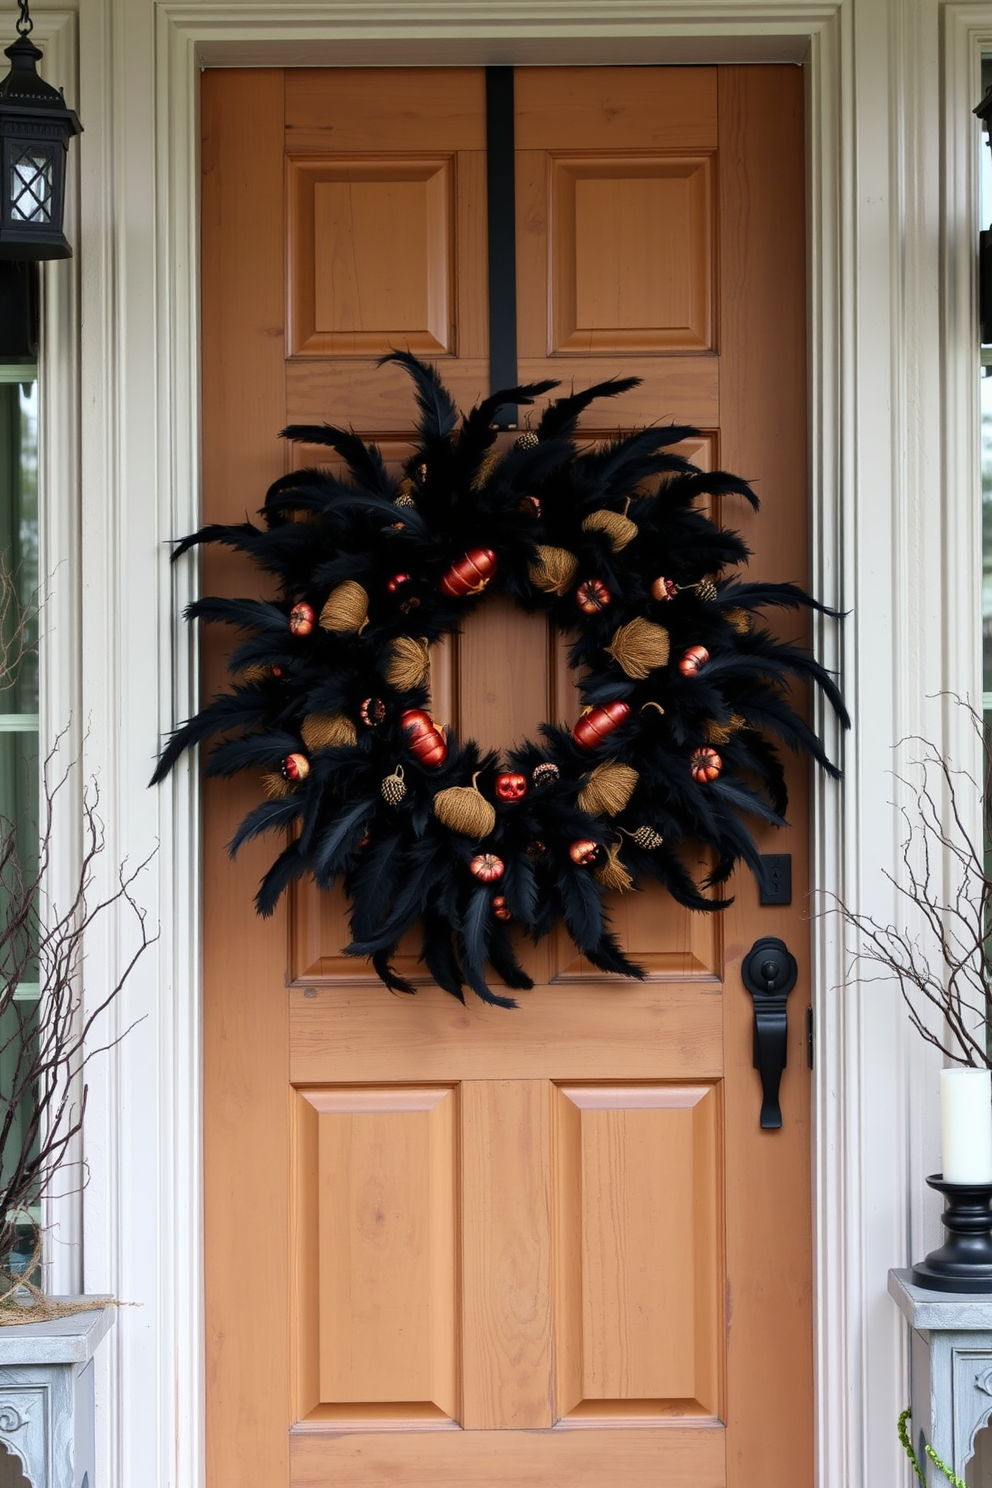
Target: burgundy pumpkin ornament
<point x="500" y="907"/>
<point x="593" y="596"/>
<point x="511" y="787"/>
<point x="584" y="853"/>
<point x="693" y="661"/>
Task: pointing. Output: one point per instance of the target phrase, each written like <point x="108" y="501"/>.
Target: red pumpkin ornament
<point x="372" y="712"/>
<point x="511" y="787"/>
<point x="424" y="739"/>
<point x="693" y="661"/>
<point x="295" y="767"/>
<point x="487" y="867"/>
<point x="705" y="765"/>
<point x="593" y="596"/>
<point x="302" y="619"/>
<point x="663" y="588"/>
<point x="397" y="585"/>
<point x="470" y="574"/>
<point x="500" y="907"/>
<point x="584" y="853"/>
<point x="599" y="723"/>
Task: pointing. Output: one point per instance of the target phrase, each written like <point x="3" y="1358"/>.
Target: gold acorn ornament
<point x="465" y="810"/>
<point x="553" y="570"/>
<point x="409" y="663"/>
<point x="545" y="775"/>
<point x="328" y="731"/>
<point x="527" y="440"/>
<point x="608" y="789"/>
<point x="405" y="496"/>
<point x="646" y="838"/>
<point x="640" y="647"/>
<point x="346" y="609"/>
<point x="617" y="526"/>
<point x="392" y="788"/>
<point x="705" y="590"/>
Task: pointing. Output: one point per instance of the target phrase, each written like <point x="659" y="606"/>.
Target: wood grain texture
<point x="672" y="1456"/>
<point x="506" y="1254"/>
<point x="639" y="1252"/>
<point x="762" y="296"/>
<point x="246" y="1126"/>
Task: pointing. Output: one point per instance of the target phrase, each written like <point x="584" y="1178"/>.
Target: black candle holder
<point x="964" y="1263"/>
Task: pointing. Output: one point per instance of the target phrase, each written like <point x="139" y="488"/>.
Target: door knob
<point x="769" y="972"/>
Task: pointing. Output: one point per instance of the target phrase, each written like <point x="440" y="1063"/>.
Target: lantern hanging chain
<point x="25" y="25"/>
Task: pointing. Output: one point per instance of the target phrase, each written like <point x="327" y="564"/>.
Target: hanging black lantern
<point x="35" y="129"/>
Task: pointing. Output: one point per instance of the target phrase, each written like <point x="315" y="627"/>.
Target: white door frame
<point x="893" y="419"/>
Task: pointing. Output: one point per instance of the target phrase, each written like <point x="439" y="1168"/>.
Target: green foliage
<point x="907" y="1446"/>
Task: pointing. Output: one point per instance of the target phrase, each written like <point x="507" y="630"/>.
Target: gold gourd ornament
<point x="640" y="647"/>
<point x="328" y="731"/>
<point x="409" y="663"/>
<point x="617" y="526"/>
<point x="346" y="609"/>
<point x="553" y="570"/>
<point x="392" y="788"/>
<point x="612" y="874"/>
<point x="608" y="789"/>
<point x="465" y="809"/>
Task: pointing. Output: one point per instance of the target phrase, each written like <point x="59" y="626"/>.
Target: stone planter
<point x="46" y="1400"/>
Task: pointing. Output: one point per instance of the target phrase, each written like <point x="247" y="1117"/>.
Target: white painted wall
<point x="895" y="481"/>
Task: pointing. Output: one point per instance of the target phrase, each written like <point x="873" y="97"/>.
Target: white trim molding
<point x="895" y="502"/>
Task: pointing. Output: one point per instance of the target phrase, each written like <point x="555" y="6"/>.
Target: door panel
<point x="454" y="1244"/>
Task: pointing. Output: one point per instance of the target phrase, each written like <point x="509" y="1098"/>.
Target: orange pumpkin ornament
<point x="487" y="867"/>
<point x="598" y="724"/>
<point x="705" y="765"/>
<point x="424" y="739"/>
<point x="593" y="596"/>
<point x="470" y="574"/>
<point x="584" y="853"/>
<point x="302" y="619"/>
<point x="692" y="663"/>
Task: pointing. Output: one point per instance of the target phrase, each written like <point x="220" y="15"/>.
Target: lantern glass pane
<point x="32" y="171"/>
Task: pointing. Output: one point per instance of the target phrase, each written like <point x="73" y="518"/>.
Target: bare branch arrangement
<point x="45" y="1041"/>
<point x="946" y="965"/>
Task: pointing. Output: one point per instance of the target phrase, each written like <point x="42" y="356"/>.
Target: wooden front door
<point x="447" y="1245"/>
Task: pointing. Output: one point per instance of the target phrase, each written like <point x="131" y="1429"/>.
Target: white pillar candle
<point x="966" y="1125"/>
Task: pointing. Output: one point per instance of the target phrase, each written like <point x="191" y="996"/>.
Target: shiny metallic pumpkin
<point x="599" y="723"/>
<point x="500" y="907"/>
<point x="302" y="619"/>
<point x="424" y="739"/>
<point x="487" y="867"/>
<point x="693" y="661"/>
<point x="593" y="596"/>
<point x="584" y="853"/>
<point x="705" y="765"/>
<point x="469" y="574"/>
<point x="511" y="787"/>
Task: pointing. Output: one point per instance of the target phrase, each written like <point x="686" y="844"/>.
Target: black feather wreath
<point x="684" y="691"/>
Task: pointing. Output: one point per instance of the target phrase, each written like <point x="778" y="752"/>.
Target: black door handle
<point x="769" y="972"/>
